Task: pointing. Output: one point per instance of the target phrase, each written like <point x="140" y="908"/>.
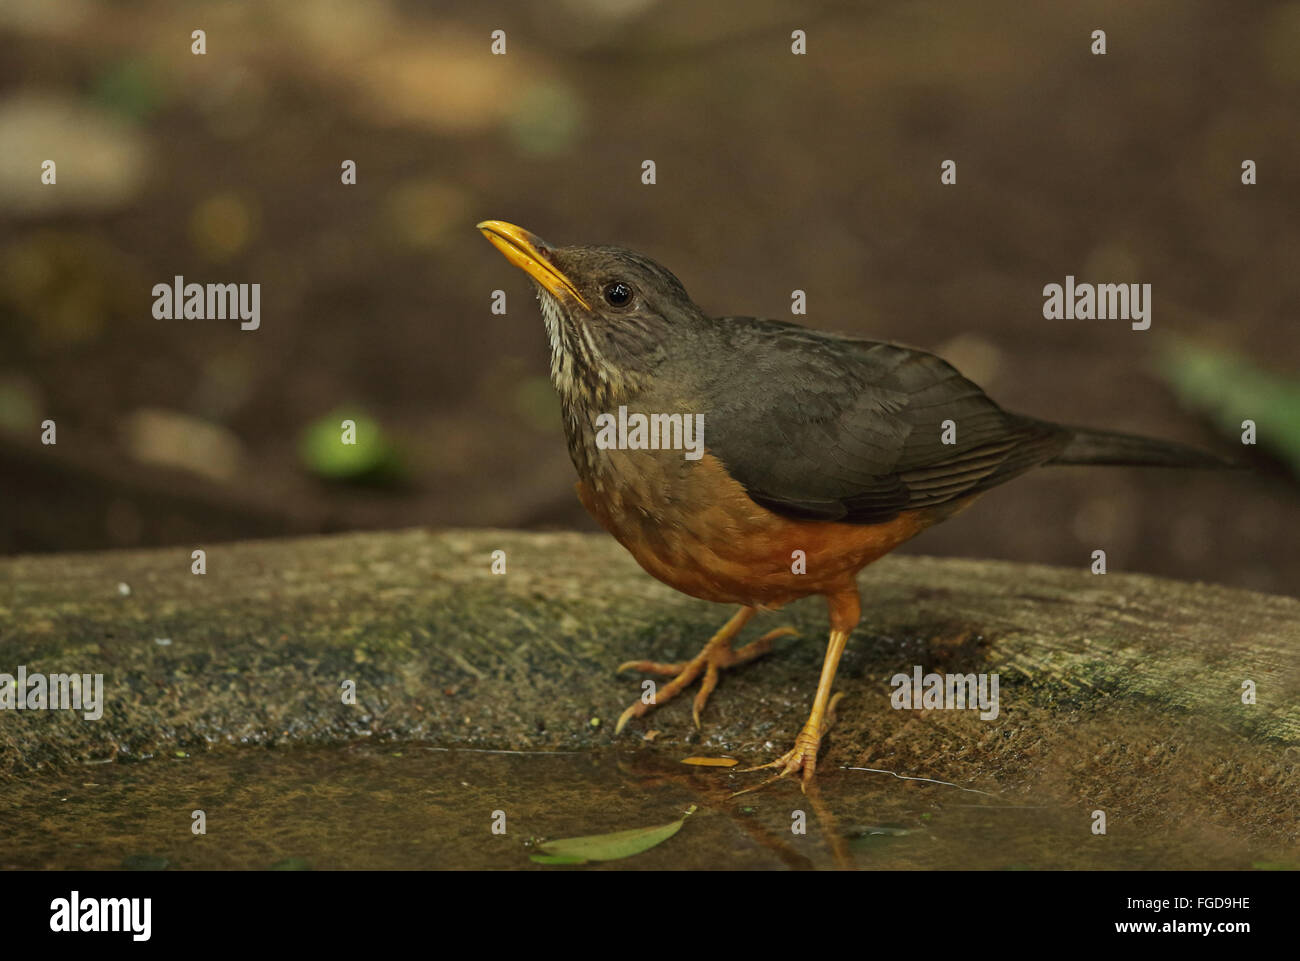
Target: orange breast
<point x="693" y="527"/>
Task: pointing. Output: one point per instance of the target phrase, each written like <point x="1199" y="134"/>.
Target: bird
<point x="813" y="454"/>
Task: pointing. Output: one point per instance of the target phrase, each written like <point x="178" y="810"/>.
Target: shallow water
<point x="410" y="806"/>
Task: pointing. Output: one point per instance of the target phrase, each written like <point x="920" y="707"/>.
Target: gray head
<point x="612" y="314"/>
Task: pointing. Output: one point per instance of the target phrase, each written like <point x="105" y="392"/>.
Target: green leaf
<point x="608" y="847"/>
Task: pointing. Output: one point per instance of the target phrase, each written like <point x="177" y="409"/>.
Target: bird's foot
<point x="802" y="757"/>
<point x="715" y="656"/>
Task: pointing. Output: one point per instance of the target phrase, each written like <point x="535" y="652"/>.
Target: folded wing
<point x="853" y="430"/>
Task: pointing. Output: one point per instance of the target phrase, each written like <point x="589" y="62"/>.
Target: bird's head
<point x="612" y="315"/>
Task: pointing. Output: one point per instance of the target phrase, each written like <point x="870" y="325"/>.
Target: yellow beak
<point x="521" y="249"/>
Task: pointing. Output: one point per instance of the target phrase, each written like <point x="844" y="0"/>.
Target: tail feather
<point x="1107" y="447"/>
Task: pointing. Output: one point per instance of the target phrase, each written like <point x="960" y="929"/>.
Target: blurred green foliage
<point x="1230" y="389"/>
<point x="371" y="457"/>
<point x="131" y="88"/>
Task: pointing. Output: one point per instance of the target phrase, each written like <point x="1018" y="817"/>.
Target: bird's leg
<point x="845" y="611"/>
<point x="716" y="655"/>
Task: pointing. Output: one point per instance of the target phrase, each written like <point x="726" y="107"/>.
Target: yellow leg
<point x="845" y="612"/>
<point x="716" y="655"/>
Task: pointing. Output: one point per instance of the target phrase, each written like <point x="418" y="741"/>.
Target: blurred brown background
<point x="775" y="172"/>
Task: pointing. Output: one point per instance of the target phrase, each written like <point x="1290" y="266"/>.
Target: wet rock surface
<point x="1120" y="693"/>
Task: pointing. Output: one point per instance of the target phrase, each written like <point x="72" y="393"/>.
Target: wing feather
<point x="852" y="430"/>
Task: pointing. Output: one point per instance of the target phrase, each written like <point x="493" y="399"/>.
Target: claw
<point x="626" y="716"/>
<point x="801" y="757"/>
<point x="715" y="656"/>
<point x="706" y="688"/>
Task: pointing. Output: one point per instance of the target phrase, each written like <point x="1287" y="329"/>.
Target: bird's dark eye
<point x="618" y="294"/>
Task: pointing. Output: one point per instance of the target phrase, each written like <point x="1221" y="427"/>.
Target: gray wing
<point x="851" y="430"/>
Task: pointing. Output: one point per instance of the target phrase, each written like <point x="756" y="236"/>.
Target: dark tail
<point x="1105" y="447"/>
